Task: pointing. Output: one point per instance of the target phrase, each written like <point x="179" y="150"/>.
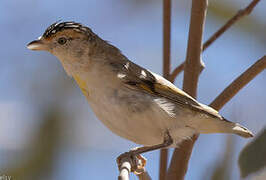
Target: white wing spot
<point x="121" y="75"/>
<point x="167" y="106"/>
<point x="143" y="74"/>
<point x="126" y="65"/>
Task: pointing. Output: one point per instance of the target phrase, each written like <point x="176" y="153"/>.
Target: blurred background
<point x="47" y="129"/>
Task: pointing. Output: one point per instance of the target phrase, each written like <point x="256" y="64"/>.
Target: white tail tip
<point x="242" y="131"/>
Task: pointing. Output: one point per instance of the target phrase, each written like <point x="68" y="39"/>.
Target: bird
<point x="132" y="101"/>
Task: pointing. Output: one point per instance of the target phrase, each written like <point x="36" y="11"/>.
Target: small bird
<point x="131" y="101"/>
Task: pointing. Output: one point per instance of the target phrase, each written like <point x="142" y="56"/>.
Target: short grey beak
<point x="36" y="45"/>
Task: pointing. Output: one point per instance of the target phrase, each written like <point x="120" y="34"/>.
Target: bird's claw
<point x="136" y="161"/>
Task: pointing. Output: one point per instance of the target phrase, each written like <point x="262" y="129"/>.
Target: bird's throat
<point x="82" y="85"/>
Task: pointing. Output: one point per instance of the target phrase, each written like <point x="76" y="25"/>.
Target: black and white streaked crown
<point x="60" y="26"/>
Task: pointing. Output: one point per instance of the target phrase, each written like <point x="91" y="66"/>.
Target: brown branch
<point x="193" y="64"/>
<point x="176" y="71"/>
<point x="240" y="14"/>
<point x="144" y="176"/>
<point x="239" y="83"/>
<point x="179" y="163"/>
<point x="173" y="172"/>
<point x="166" y="37"/>
<point x="163" y="163"/>
<point x="166" y="72"/>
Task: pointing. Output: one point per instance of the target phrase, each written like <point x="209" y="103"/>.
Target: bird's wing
<point x="140" y="79"/>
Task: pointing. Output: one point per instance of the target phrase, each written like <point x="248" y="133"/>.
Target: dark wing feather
<point x="140" y="79"/>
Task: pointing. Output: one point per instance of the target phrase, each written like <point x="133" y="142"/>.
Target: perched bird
<point x="131" y="101"/>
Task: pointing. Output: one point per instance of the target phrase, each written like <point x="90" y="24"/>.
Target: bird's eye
<point x="62" y="40"/>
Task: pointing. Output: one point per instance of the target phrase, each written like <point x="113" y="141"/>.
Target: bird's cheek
<point x="79" y="53"/>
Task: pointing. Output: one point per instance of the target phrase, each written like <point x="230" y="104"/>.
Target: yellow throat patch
<point x="82" y="85"/>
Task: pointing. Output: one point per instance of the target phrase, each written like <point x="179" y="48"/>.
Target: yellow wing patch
<point x="173" y="90"/>
<point x="147" y="88"/>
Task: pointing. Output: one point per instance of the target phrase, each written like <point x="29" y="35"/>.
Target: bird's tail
<point x="221" y="125"/>
<point x="235" y="128"/>
<point x="241" y="130"/>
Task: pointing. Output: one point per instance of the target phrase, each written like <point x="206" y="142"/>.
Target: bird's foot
<point x="136" y="161"/>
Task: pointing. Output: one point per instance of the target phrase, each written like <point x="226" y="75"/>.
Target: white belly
<point x="137" y="117"/>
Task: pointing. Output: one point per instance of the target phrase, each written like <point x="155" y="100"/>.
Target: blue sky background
<point x="32" y="81"/>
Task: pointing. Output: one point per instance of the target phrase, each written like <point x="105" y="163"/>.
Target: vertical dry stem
<point x="166" y="71"/>
<point x="193" y="67"/>
<point x="240" y="14"/>
<point x="166" y="37"/>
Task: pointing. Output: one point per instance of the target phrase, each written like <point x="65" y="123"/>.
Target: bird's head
<point x="70" y="42"/>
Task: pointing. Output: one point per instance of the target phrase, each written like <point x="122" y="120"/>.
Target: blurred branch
<point x="252" y="158"/>
<point x="240" y="14"/>
<point x="192" y="69"/>
<point x="41" y="155"/>
<point x="166" y="72"/>
<point x="239" y="83"/>
<point x="223" y="168"/>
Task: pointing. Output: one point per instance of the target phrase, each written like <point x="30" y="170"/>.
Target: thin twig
<point x="179" y="163"/>
<point x="239" y="83"/>
<point x="166" y="72"/>
<point x="176" y="71"/>
<point x="166" y="37"/>
<point x="240" y="14"/>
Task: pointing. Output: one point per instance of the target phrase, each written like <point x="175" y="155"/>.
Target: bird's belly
<point x="137" y="117"/>
<point x="134" y="117"/>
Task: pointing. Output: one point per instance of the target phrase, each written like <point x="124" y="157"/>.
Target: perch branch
<point x="240" y="14"/>
<point x="193" y="66"/>
<point x="136" y="164"/>
<point x="239" y="83"/>
<point x="124" y="169"/>
<point x="166" y="72"/>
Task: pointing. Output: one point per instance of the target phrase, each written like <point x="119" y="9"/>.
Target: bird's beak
<point x="36" y="45"/>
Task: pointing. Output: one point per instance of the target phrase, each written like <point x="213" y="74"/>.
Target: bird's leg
<point x="167" y="142"/>
<point x="135" y="156"/>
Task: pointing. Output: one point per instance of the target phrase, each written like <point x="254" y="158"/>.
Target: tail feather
<point x="222" y="125"/>
<point x="241" y="131"/>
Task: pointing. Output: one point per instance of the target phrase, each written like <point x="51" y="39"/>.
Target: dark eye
<point x="62" y="40"/>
